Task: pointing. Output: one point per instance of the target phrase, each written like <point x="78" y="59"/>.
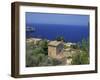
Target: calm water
<point x="51" y="31"/>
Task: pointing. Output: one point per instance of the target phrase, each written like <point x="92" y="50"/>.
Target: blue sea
<point x="70" y="33"/>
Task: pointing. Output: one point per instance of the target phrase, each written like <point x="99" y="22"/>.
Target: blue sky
<point x="46" y="18"/>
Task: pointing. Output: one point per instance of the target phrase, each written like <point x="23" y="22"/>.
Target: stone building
<point x="33" y="40"/>
<point x="55" y="49"/>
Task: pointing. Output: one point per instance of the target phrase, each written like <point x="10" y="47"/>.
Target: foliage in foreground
<point x="82" y="57"/>
<point x="37" y="55"/>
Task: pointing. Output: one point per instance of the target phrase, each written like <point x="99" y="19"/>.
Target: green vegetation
<point x="60" y="38"/>
<point x="82" y="56"/>
<point x="74" y="46"/>
<point x="37" y="55"/>
<point x="85" y="45"/>
<point x="44" y="45"/>
<point x="65" y="47"/>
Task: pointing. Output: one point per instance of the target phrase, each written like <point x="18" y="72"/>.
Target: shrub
<point x="80" y="58"/>
<point x="85" y="45"/>
<point x="60" y="38"/>
<point x="65" y="47"/>
<point x="44" y="45"/>
<point x="38" y="56"/>
<point x="74" y="46"/>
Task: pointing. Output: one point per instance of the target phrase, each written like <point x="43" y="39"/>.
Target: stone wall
<point x="52" y="51"/>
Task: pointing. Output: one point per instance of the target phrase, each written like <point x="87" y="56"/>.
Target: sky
<point x="62" y="19"/>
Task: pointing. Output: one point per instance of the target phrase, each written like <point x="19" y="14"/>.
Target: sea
<point x="71" y="33"/>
